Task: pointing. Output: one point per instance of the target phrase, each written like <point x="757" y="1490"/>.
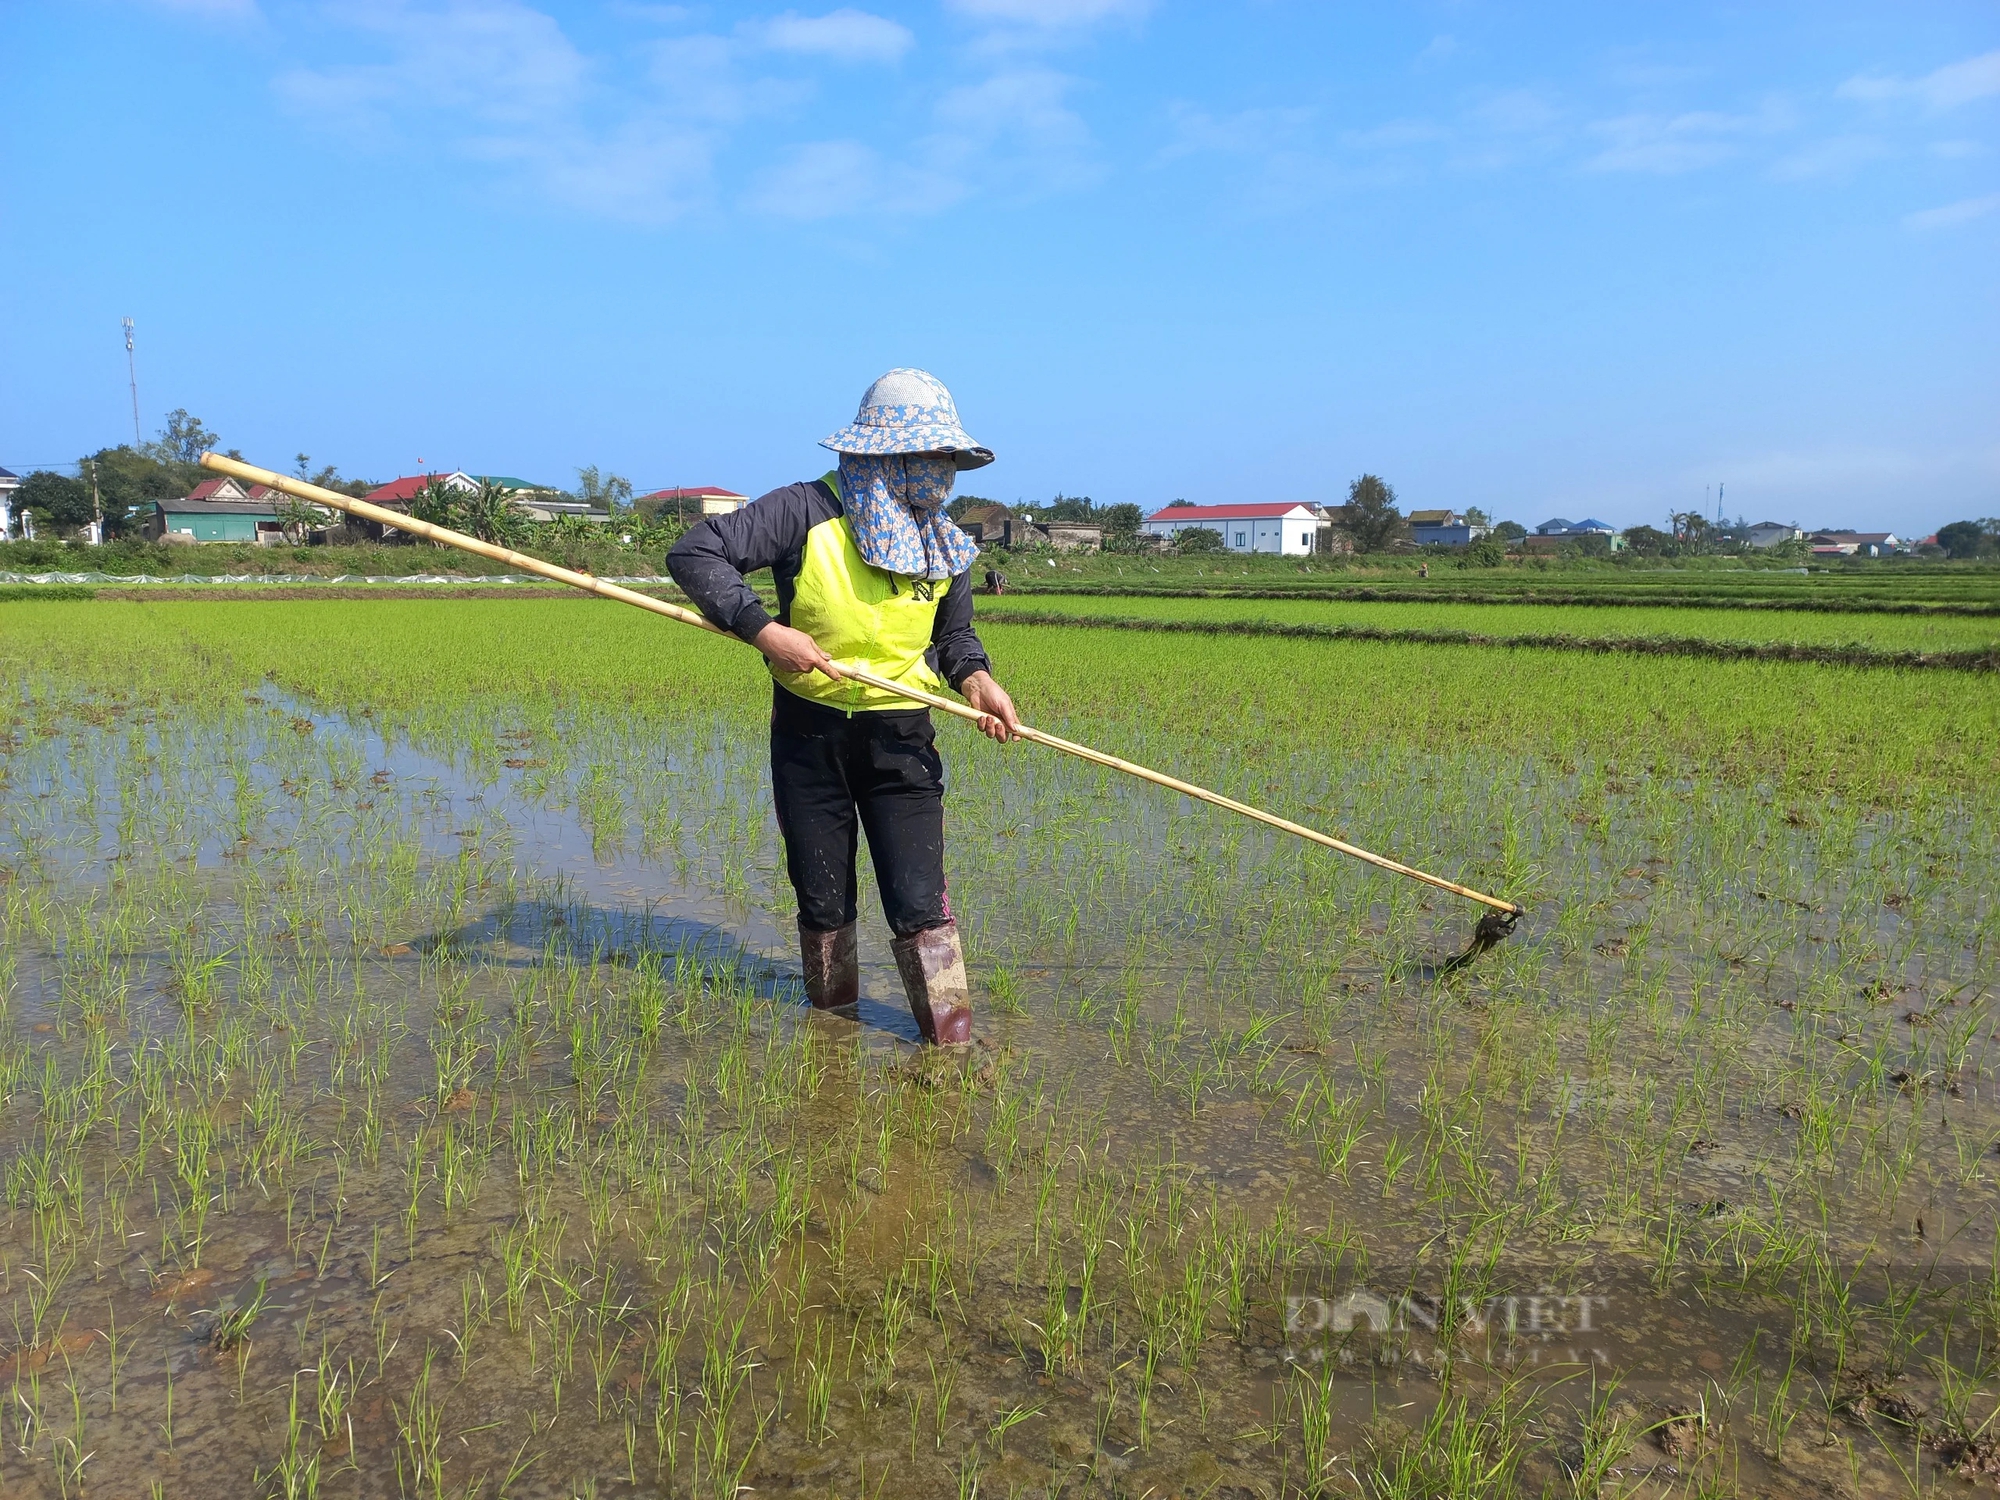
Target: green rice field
<point x="1875" y="632"/>
<point x="408" y="1090"/>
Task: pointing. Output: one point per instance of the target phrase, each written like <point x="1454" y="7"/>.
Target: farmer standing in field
<point x="872" y="574"/>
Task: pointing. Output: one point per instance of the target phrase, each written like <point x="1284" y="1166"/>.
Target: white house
<point x="1275" y="526"/>
<point x="1771" y="533"/>
<point x="1855" y="543"/>
<point x="9" y="482"/>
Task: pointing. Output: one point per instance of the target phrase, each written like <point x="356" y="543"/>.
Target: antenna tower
<point x="132" y="374"/>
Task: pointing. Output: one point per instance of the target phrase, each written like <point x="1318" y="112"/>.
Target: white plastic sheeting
<point x="295" y="579"/>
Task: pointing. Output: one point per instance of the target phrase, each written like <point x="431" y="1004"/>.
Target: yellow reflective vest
<point x="862" y="617"/>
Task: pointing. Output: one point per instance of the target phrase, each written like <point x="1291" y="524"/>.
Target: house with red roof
<point x="398" y="493"/>
<point x="1285" y="528"/>
<point x="693" y="500"/>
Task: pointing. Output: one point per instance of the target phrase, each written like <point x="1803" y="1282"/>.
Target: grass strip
<point x="1834" y="656"/>
<point x="1636" y="598"/>
<point x="39" y="591"/>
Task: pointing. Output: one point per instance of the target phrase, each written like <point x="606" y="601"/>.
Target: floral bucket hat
<point x="909" y="411"/>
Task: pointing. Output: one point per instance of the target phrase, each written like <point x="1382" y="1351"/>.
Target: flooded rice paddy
<point x="430" y="1109"/>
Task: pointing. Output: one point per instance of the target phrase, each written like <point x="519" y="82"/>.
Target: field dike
<point x="1688" y="646"/>
<point x="1638" y="596"/>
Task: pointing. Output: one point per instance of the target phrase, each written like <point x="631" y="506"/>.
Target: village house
<point x="695" y="500"/>
<point x="1770" y="534"/>
<point x="538" y="502"/>
<point x="398" y="493"/>
<point x="1559" y="527"/>
<point x="1855" y="544"/>
<point x="1286" y="528"/>
<point x="219" y="510"/>
<point x="1443" y="528"/>
<point x="985" y="523"/>
<point x="1074" y="536"/>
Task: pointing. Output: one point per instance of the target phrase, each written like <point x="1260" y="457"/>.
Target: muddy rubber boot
<point x="933" y="970"/>
<point x="833" y="967"/>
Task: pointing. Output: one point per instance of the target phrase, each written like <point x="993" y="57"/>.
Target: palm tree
<point x="490" y="514"/>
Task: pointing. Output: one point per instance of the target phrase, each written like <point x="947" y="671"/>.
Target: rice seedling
<point x="1724" y="1070"/>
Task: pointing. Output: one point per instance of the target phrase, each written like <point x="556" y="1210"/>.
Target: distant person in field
<point x="872" y="574"/>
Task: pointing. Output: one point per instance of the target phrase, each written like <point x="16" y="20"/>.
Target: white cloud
<point x="225" y="10"/>
<point x="1051" y="14"/>
<point x="498" y="82"/>
<point x="1025" y="102"/>
<point x="1440" y="47"/>
<point x="1013" y="132"/>
<point x="1668" y="144"/>
<point x="1946" y="88"/>
<point x="1394" y="135"/>
<point x="643" y="171"/>
<point x="1247" y="132"/>
<point x="1516" y="112"/>
<point x="1834" y="157"/>
<point x="828" y="179"/>
<point x="847" y="35"/>
<point x="1953" y="214"/>
<point x="498" y="59"/>
<point x="696" y="78"/>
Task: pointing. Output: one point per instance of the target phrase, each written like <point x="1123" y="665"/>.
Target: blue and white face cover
<point x="895" y="503"/>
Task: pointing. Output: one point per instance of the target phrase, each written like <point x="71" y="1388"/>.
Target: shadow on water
<point x="611" y="904"/>
<point x="519" y="934"/>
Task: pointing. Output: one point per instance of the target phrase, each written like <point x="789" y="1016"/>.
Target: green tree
<point x="1963" y="539"/>
<point x="490" y="514"/>
<point x="1647" y="541"/>
<point x="1077" y="508"/>
<point x="58" y="502"/>
<point x="1487" y="552"/>
<point x="327" y="477"/>
<point x="440" y="504"/>
<point x="1199" y="539"/>
<point x="610" y="491"/>
<point x="1510" y="531"/>
<point x="1691" y="529"/>
<point x="300" y="518"/>
<point x="129" y="480"/>
<point x="1372" y="518"/>
<point x="570" y="540"/>
<point x="1121" y="520"/>
<point x="183" y="440"/>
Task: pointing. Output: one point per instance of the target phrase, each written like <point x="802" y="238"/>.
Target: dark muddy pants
<point x="835" y="774"/>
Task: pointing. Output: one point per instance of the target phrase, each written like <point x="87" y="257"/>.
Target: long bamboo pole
<point x="526" y="564"/>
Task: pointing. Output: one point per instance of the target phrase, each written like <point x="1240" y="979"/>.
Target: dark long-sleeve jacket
<point x="710" y="560"/>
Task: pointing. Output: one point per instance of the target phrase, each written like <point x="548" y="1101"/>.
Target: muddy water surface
<point x="434" y="1113"/>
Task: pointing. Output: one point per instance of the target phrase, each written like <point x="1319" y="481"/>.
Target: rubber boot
<point x="933" y="970"/>
<point x="832" y="965"/>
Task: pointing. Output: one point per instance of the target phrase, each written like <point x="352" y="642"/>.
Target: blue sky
<point x="1548" y="260"/>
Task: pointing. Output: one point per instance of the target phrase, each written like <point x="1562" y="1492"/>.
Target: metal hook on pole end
<point x="1492" y="929"/>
